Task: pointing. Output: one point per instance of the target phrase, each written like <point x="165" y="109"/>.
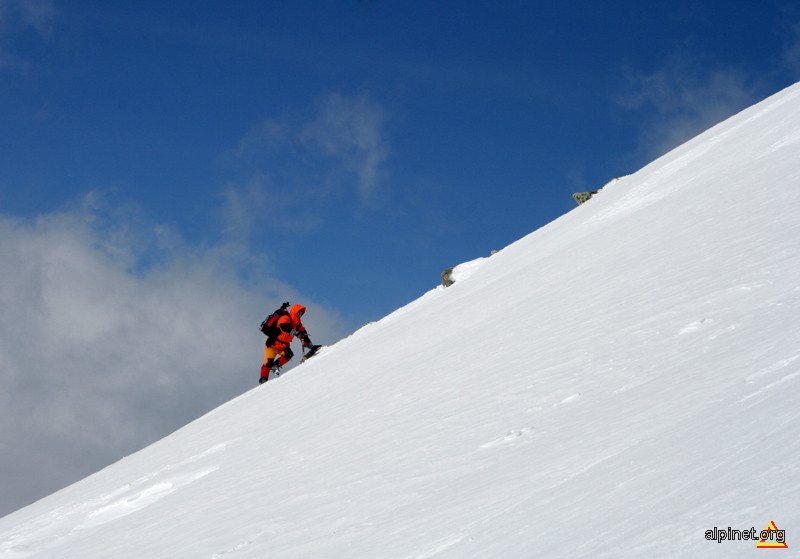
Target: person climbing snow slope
<point x="280" y="328"/>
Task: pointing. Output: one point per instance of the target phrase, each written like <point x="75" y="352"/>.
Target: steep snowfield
<point x="614" y="384"/>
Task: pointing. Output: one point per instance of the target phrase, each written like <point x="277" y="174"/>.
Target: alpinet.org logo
<point x="770" y="537"/>
<point x="767" y="540"/>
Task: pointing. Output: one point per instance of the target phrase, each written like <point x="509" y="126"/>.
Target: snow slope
<point x="614" y="384"/>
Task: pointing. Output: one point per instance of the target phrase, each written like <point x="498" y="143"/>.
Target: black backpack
<point x="269" y="327"/>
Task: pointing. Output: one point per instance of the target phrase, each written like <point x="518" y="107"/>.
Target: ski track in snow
<point x="514" y="436"/>
<point x="233" y="550"/>
<point x="47" y="530"/>
<point x="139" y="496"/>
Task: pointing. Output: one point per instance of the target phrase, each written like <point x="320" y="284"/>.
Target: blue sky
<point x="356" y="149"/>
<point x="171" y="171"/>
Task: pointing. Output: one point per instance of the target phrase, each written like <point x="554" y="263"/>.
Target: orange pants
<point x="277" y="355"/>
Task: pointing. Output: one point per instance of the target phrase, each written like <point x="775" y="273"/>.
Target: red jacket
<point x="290" y="326"/>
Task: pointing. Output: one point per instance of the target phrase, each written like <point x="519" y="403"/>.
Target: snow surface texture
<point x="614" y="384"/>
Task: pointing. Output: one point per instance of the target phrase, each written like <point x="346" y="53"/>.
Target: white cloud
<point x="684" y="98"/>
<point x="16" y="15"/>
<point x="299" y="168"/>
<point x="39" y="14"/>
<point x="113" y="333"/>
<point x="351" y="130"/>
<point x="243" y="207"/>
<point x="791" y="54"/>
